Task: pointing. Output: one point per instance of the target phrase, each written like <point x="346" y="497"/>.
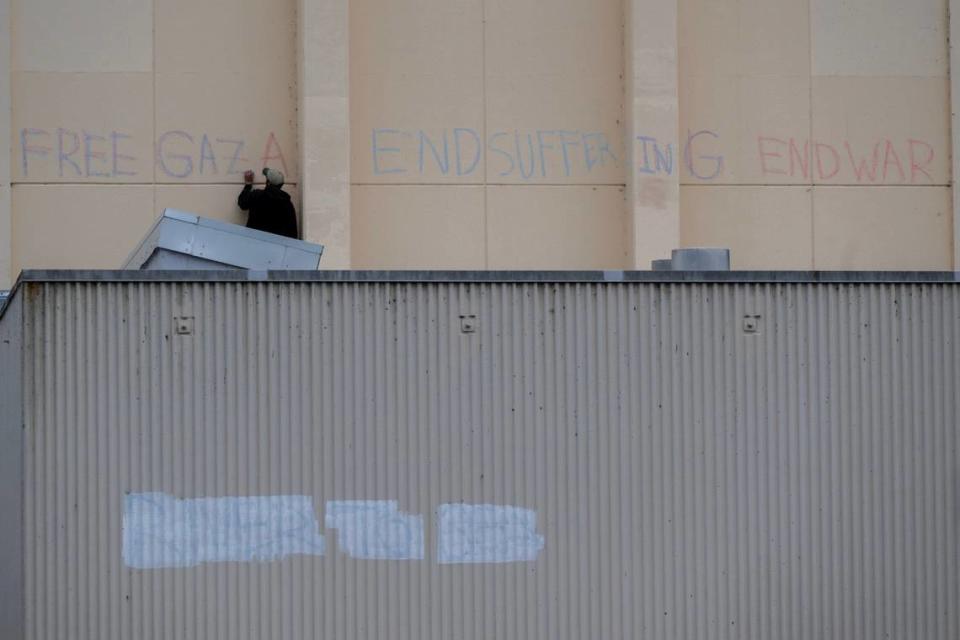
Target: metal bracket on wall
<point x="468" y="324"/>
<point x="183" y="326"/>
<point x="751" y="324"/>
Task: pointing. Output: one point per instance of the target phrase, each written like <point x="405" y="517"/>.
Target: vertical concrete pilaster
<point x="324" y="114"/>
<point x="653" y="197"/>
<point x="954" y="70"/>
<point x="6" y="277"/>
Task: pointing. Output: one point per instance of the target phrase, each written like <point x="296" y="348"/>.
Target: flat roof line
<point x="489" y="277"/>
<point x="759" y="277"/>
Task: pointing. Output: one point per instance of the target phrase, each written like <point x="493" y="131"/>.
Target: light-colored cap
<point x="274" y="177"/>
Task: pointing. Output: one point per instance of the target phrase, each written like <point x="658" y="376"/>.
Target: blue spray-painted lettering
<point x="207" y="155"/>
<point x="232" y="168"/>
<point x="443" y="163"/>
<point x="186" y="166"/>
<point x="645" y="167"/>
<point x="688" y="154"/>
<point x="662" y="163"/>
<point x="606" y="151"/>
<point x="27" y="149"/>
<point x="533" y="161"/>
<point x="64" y="155"/>
<point x="536" y="154"/>
<point x="98" y="154"/>
<point x="543" y="146"/>
<point x="588" y="159"/>
<point x="565" y="144"/>
<point x="378" y="150"/>
<point x="506" y="154"/>
<point x="478" y="150"/>
<point x="91" y="155"/>
<point x="115" y="138"/>
<point x="663" y="158"/>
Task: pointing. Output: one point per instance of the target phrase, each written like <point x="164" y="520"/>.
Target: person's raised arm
<point x="246" y="196"/>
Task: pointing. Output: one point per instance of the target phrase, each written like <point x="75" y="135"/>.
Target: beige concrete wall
<point x="652" y="96"/>
<point x="121" y="108"/>
<point x="488" y="133"/>
<point x="324" y="114"/>
<point x="954" y="11"/>
<point x="5" y="217"/>
<point x="846" y="100"/>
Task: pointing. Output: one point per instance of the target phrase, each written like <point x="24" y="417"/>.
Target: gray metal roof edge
<point x="240" y="275"/>
<point x="454" y="277"/>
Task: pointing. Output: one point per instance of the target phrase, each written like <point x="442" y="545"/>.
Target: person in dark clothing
<point x="270" y="208"/>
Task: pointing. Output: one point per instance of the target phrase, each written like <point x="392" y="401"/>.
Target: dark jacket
<point x="271" y="210"/>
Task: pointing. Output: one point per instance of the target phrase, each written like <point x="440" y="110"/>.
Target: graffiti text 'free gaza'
<point x="69" y="153"/>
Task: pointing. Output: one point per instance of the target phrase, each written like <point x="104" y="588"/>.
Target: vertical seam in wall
<point x="952" y="94"/>
<point x="6" y="121"/>
<point x="626" y="115"/>
<point x="295" y="99"/>
<point x="153" y="71"/>
<point x="483" y="89"/>
<point x="812" y="143"/>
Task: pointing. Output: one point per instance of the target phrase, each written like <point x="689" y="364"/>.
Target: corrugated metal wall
<point x="11" y="469"/>
<point x="692" y="479"/>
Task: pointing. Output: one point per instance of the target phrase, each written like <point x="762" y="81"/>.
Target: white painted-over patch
<point x="483" y="533"/>
<point x="160" y="531"/>
<point x="376" y="530"/>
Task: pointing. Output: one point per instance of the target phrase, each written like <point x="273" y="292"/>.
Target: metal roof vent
<point x="696" y="259"/>
<point x="184" y="241"/>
